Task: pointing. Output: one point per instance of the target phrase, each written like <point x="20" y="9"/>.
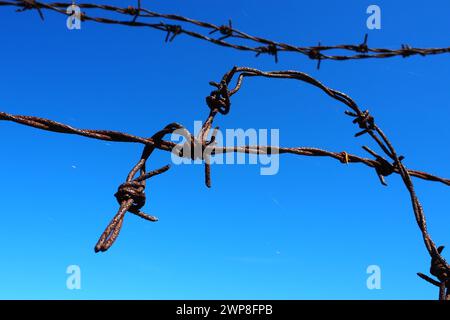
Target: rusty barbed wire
<point x="241" y="41"/>
<point x="131" y="194"/>
<point x="439" y="267"/>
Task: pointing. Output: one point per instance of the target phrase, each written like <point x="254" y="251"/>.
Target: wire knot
<point x="131" y="11"/>
<point x="131" y="190"/>
<point x="225" y="30"/>
<point x="315" y="54"/>
<point x="441" y="271"/>
<point x="219" y="100"/>
<point x="192" y="149"/>
<point x="344" y="157"/>
<point x="29" y="5"/>
<point x="364" y="120"/>
<point x="438" y="269"/>
<point x="408" y="51"/>
<point x="134" y="11"/>
<point x="173" y="30"/>
<point x="363" y="47"/>
<point x="384" y="167"/>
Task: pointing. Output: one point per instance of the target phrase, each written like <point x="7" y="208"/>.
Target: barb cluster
<point x="228" y="36"/>
<point x="131" y="194"/>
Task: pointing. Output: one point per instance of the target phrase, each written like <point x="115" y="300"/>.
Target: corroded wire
<point x="131" y="195"/>
<point x="228" y="36"/>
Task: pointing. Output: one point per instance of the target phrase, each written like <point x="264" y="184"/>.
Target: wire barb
<point x="383" y="168"/>
<point x="363" y="48"/>
<point x="137" y="11"/>
<point x="440" y="270"/>
<point x="172" y="31"/>
<point x="225" y="30"/>
<point x="30" y="5"/>
<point x="219" y="99"/>
<point x="271" y="49"/>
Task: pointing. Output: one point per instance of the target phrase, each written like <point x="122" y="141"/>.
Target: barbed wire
<point x="131" y="194"/>
<point x="228" y="36"/>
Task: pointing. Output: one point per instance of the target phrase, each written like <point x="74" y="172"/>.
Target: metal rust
<point x="229" y="36"/>
<point x="131" y="194"/>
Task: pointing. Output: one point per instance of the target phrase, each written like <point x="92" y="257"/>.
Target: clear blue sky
<point x="308" y="232"/>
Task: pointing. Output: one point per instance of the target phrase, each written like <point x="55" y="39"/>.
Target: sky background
<point x="309" y="232"/>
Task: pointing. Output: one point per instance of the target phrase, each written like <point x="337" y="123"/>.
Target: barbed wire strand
<point x="131" y="194"/>
<point x="243" y="41"/>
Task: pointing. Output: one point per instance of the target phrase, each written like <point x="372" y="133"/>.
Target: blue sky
<point x="308" y="232"/>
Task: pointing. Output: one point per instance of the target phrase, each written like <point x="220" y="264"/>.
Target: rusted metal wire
<point x="131" y="194"/>
<point x="228" y="36"/>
